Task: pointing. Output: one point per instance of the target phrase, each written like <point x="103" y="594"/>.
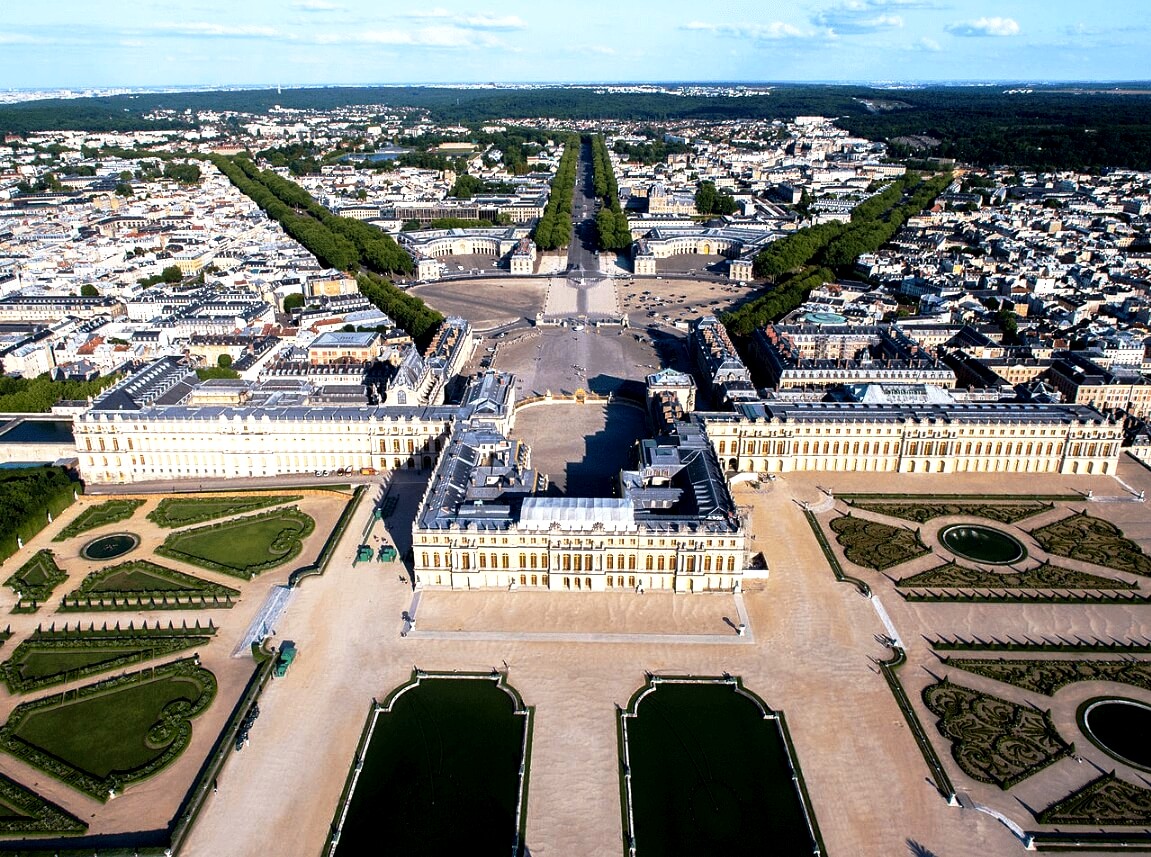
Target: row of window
<point x="577" y="562"/>
<point x="618" y="581"/>
<point x="929" y="447"/>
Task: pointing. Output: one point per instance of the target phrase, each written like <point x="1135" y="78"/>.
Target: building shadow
<point x="606" y="453"/>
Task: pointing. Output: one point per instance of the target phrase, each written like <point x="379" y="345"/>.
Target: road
<point x="584" y="242"/>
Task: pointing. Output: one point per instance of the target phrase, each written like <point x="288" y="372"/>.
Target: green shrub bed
<point x="1105" y="800"/>
<point x="1077" y="646"/>
<point x="242" y="547"/>
<point x="1043" y="576"/>
<point x="139" y="584"/>
<point x="875" y="545"/>
<point x="1093" y="540"/>
<point x="34" y="581"/>
<point x="111" y="512"/>
<point x="22" y="811"/>
<point x="101" y="737"/>
<point x="1047" y="676"/>
<point x="994" y="740"/>
<point x="922" y="512"/>
<point x="183" y="511"/>
<point x="1021" y="596"/>
<point x="54" y="658"/>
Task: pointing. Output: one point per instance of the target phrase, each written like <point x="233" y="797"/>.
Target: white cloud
<point x="209" y="29"/>
<point x="491" y="22"/>
<point x="985" y="27"/>
<point x="316" y="6"/>
<point x="22" y="39"/>
<point x="469" y="20"/>
<point x="862" y="16"/>
<point x="428" y="37"/>
<point x="926" y="44"/>
<point x="760" y="32"/>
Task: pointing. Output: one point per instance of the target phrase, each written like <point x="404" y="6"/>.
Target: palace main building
<point x="487" y="519"/>
<point x="484" y="521"/>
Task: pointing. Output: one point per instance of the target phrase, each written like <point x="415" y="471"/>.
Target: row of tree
<point x="610" y="220"/>
<point x="553" y="230"/>
<point x="338" y="242"/>
<point x="808" y="258"/>
<point x="38" y="395"/>
<point x="405" y="309"/>
<point x="26" y="498"/>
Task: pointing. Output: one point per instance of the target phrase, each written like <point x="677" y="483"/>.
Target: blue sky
<point x="67" y="43"/>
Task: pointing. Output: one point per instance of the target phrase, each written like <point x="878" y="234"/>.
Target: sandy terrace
<point x="655" y="613"/>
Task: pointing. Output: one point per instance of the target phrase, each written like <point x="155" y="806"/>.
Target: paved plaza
<point x="486" y="303"/>
<point x="581" y="447"/>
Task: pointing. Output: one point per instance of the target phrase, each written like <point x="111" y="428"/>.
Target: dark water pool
<point x="1120" y="727"/>
<point x="982" y="544"/>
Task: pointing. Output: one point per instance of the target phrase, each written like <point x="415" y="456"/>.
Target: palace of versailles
<point x="487" y="519"/>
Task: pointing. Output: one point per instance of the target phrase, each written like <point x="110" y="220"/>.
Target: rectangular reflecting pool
<point x="441" y="769"/>
<point x="707" y="768"/>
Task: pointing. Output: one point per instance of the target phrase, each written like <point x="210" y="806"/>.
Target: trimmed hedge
<point x="961" y="644"/>
<point x="1083" y="537"/>
<point x="114" y="585"/>
<point x="1106" y="800"/>
<point x="84" y="656"/>
<point x="34" y="581"/>
<point x="214" y="546"/>
<point x="25" y="812"/>
<point x="952" y="575"/>
<point x="1047" y="676"/>
<point x="170" y="734"/>
<point x="875" y="545"/>
<point x="994" y="740"/>
<point x="182" y="511"/>
<point x="921" y="513"/>
<point x="111" y="512"/>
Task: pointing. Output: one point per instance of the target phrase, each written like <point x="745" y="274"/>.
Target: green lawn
<point x="141" y="576"/>
<point x="106" y="733"/>
<point x="114" y="732"/>
<point x="111" y="512"/>
<point x="244" y="546"/>
<point x="182" y="511"/>
<point x="39" y="663"/>
<point x="36" y="578"/>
